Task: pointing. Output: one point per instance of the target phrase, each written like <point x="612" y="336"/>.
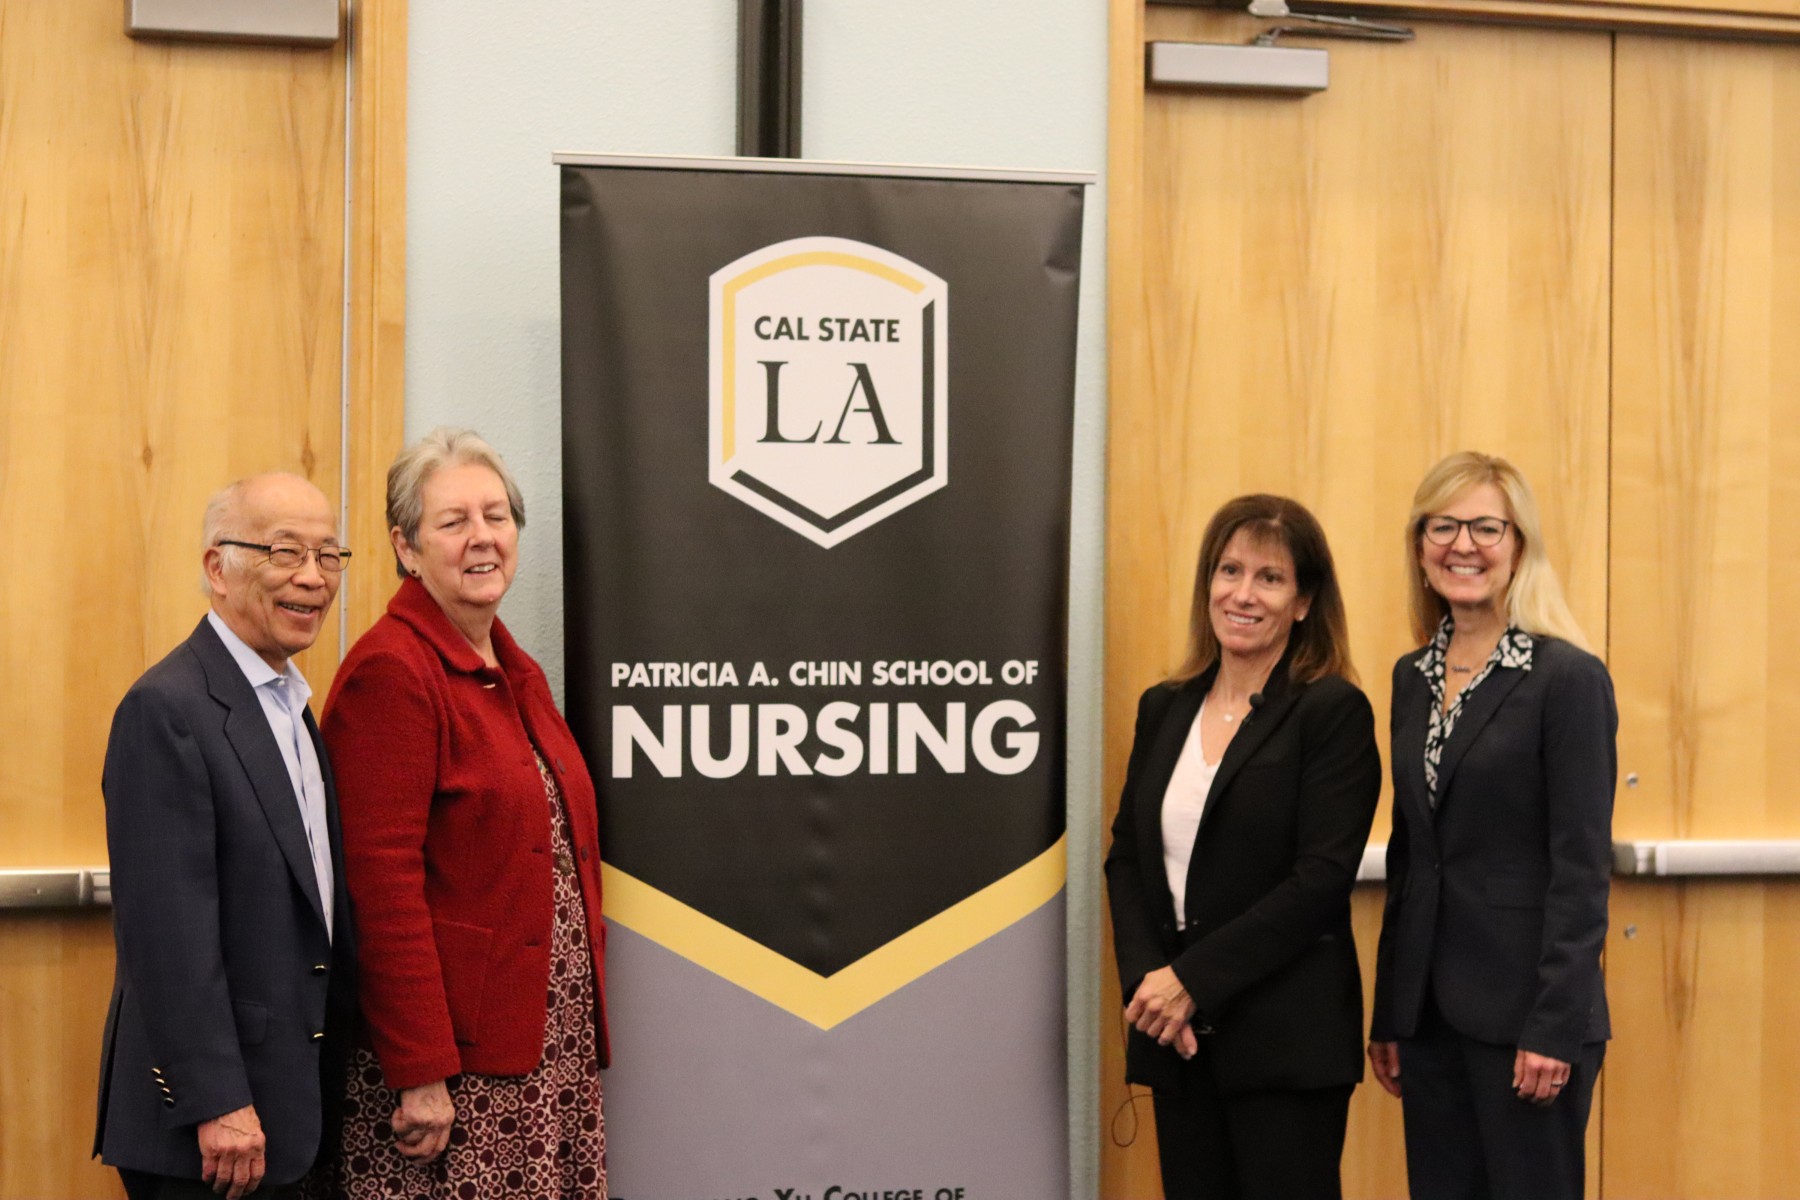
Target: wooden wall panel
<point x="1323" y="296"/>
<point x="1706" y="450"/>
<point x="1707" y="446"/>
<point x="55" y="982"/>
<point x="171" y="317"/>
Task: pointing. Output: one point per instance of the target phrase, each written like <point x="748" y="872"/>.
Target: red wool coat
<point x="447" y="843"/>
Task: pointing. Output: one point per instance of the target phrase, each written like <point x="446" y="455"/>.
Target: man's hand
<point x="231" y="1152"/>
<point x="422" y="1122"/>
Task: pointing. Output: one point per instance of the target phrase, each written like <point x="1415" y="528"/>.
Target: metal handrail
<point x="1682" y="857"/>
<point x="1675" y="858"/>
<point x="64" y="887"/>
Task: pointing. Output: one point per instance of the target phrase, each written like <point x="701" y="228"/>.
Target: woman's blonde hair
<point x="445" y="446"/>
<point x="1534" y="599"/>
<point x="1319" y="645"/>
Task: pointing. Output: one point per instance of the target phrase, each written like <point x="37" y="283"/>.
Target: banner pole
<point x="769" y="78"/>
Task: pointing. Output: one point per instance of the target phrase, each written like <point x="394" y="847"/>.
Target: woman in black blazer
<point x="1248" y="799"/>
<point x="1490" y="1013"/>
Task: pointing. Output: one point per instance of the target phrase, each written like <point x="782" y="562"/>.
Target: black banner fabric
<point x="816" y="450"/>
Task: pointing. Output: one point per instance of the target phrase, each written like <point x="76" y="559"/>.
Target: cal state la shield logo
<point x="828" y="398"/>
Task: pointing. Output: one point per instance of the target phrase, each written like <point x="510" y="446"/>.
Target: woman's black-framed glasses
<point x="291" y="556"/>
<point x="1483" y="531"/>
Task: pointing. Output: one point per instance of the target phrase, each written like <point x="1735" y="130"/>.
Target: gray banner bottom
<point x="952" y="1088"/>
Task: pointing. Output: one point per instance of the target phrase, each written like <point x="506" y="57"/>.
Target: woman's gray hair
<point x="445" y="446"/>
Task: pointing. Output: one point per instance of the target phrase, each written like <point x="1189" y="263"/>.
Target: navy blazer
<point x="1497" y="899"/>
<point x="227" y="990"/>
<point x="1267" y="954"/>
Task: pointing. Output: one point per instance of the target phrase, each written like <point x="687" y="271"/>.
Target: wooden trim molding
<point x="375" y="418"/>
<point x="1751" y="20"/>
<point x="1778" y="21"/>
<point x="1124" y="1171"/>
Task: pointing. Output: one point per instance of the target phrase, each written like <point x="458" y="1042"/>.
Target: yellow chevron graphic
<point x="828" y="1000"/>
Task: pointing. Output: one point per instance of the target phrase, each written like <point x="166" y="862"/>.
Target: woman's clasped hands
<point x="1161" y="1008"/>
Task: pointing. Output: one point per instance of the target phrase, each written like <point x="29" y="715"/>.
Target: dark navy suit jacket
<point x="1267" y="954"/>
<point x="227" y="990"/>
<point x="1497" y="898"/>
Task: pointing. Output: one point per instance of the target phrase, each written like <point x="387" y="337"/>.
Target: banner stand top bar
<point x="810" y="166"/>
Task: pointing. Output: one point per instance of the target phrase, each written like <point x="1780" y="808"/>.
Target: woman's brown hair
<point x="1319" y="645"/>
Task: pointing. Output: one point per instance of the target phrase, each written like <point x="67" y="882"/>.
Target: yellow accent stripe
<point x="728" y="316"/>
<point x="826" y="1001"/>
<point x="825" y="258"/>
<point x="728" y="409"/>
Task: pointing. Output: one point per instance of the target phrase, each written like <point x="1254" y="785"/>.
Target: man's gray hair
<point x="444" y="446"/>
<point x="224" y="519"/>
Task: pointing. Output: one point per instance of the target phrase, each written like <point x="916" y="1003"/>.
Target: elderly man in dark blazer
<point x="234" y="987"/>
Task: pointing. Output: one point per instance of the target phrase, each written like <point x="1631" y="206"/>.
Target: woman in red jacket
<point x="471" y="851"/>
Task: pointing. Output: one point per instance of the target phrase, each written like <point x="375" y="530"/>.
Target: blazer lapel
<point x="1480" y="706"/>
<point x="331" y="813"/>
<point x="1279" y="698"/>
<point x="1408" y="736"/>
<point x="1165" y="752"/>
<point x="340" y="903"/>
<point x="247" y="729"/>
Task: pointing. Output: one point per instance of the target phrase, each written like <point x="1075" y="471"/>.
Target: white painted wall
<point x="494" y="90"/>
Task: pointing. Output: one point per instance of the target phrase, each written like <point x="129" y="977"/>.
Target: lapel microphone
<point x="1256" y="700"/>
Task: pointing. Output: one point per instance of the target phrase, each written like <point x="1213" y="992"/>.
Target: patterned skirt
<point x="537" y="1137"/>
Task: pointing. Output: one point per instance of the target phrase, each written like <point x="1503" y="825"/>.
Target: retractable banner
<point x="816" y="445"/>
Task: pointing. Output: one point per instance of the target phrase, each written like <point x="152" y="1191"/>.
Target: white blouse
<point x="1183" y="804"/>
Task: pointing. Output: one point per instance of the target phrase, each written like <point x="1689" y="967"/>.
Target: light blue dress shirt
<point x="283" y="697"/>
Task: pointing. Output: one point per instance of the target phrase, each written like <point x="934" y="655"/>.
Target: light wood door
<point x="1704" y="1077"/>
<point x="171" y="298"/>
<point x="1321" y="297"/>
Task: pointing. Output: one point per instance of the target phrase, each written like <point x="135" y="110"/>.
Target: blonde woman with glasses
<point x="1490" y="1017"/>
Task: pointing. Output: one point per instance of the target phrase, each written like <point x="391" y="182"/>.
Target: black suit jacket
<point x="1497" y="899"/>
<point x="1267" y="954"/>
<point x="225" y="975"/>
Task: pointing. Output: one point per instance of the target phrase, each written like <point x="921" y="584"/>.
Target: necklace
<point x="1225" y="713"/>
<point x="1215" y="698"/>
<point x="1470" y="670"/>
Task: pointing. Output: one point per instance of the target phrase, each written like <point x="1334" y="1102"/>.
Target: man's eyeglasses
<point x="1483" y="531"/>
<point x="291" y="556"/>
